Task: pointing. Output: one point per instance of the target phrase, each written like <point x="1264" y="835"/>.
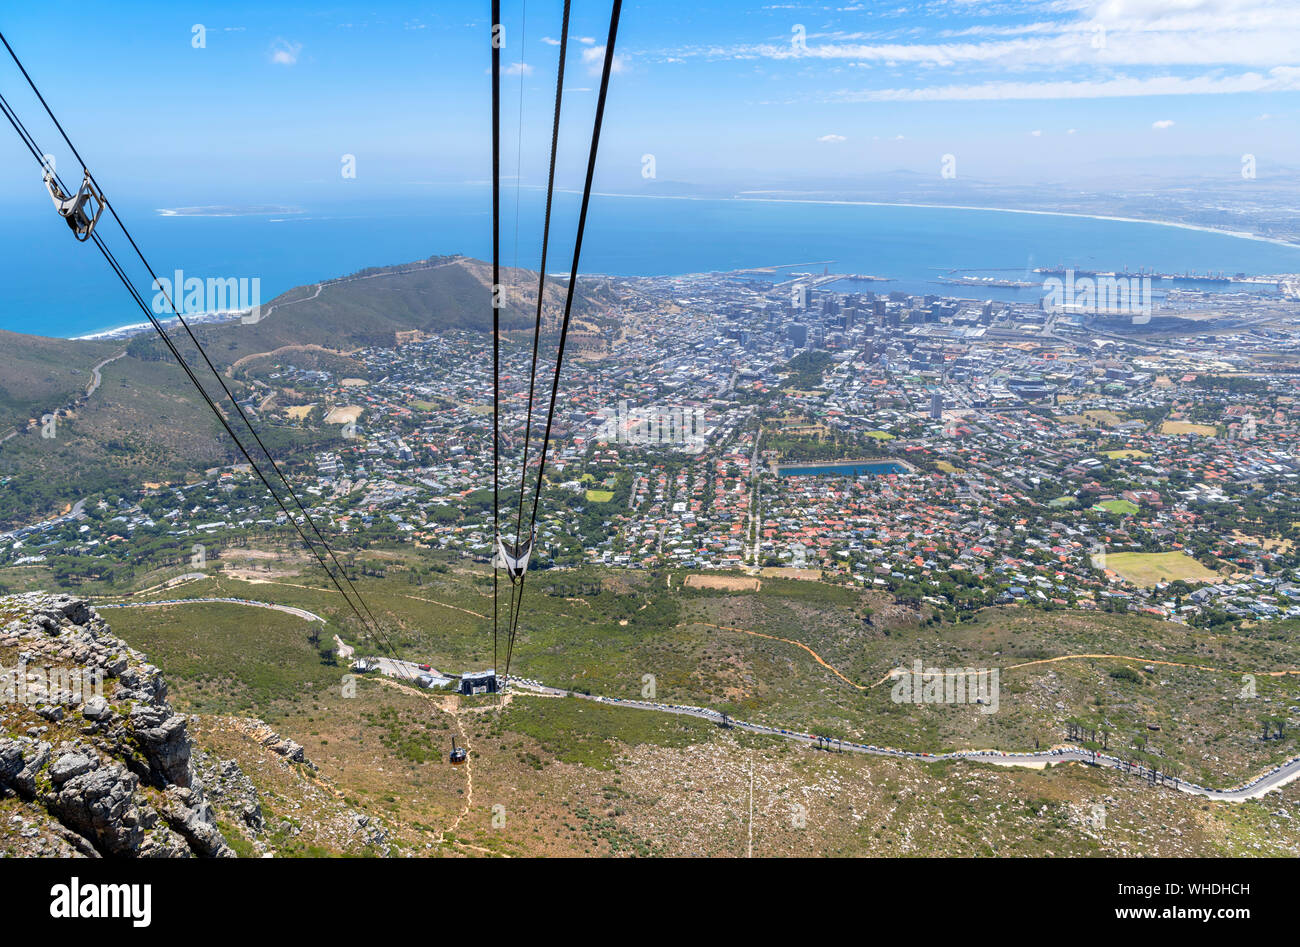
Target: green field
<point x="1148" y="568"/>
<point x="1124" y="507"/>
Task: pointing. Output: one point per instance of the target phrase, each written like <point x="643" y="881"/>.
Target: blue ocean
<point x="51" y="285"/>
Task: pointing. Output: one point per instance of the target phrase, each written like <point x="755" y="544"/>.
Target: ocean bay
<point x="55" y="288"/>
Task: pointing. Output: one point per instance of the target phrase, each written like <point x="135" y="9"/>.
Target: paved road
<point x="172" y="582"/>
<point x="287" y="609"/>
<point x="407" y="670"/>
<point x="1257" y="787"/>
<point x="1254" y="789"/>
<point x="73" y="514"/>
<point x="96" y="378"/>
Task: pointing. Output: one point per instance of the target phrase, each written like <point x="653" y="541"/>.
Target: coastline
<point x="168" y="322"/>
<point x="1240" y="234"/>
<point x="128" y="330"/>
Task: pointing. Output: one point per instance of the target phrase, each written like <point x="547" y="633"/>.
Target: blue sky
<point x="725" y="95"/>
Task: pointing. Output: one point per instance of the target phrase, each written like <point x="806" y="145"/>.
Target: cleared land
<point x="343" y="415"/>
<point x="728" y="583"/>
<point x="1186" y="427"/>
<point x="1098" y="418"/>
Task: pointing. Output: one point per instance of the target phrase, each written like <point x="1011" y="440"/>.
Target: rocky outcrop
<point x="87" y="736"/>
<point x="228" y="786"/>
<point x="258" y="730"/>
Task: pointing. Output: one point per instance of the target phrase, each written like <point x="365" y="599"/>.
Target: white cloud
<point x="595" y="60"/>
<point x="1163" y="123"/>
<point x="285" y="53"/>
<point x="832" y="138"/>
<point x="1107" y="33"/>
<point x="1059" y="39"/>
<point x="586" y="40"/>
<point x="1280" y="79"/>
<point x="550" y="41"/>
<point x="519" y="68"/>
<point x="1037" y="133"/>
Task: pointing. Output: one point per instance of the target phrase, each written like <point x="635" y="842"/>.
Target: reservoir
<point x="861" y="468"/>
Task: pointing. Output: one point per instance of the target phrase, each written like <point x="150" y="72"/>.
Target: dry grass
<point x="1186" y="427"/>
<point x="343" y="415"/>
<point x="727" y="583"/>
<point x="1149" y="568"/>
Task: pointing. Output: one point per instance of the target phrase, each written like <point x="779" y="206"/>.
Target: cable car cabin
<point x="458" y="754"/>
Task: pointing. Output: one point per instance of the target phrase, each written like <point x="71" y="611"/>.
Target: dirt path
<point x="305" y="347"/>
<point x="431" y="601"/>
<point x="1129" y="657"/>
<point x="1011" y="667"/>
<point x="816" y="657"/>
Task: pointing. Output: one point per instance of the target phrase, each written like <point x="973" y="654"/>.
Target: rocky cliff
<point x="93" y="759"/>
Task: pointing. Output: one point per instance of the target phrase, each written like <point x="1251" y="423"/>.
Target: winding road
<point x="96" y="377"/>
<point x="287" y="609"/>
<point x="1264" y="783"/>
<point x="1256" y="788"/>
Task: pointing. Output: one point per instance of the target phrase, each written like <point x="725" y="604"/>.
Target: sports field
<point x="1148" y="568"/>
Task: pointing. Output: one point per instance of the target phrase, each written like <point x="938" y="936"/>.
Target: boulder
<point x="163" y="737"/>
<point x="96" y="709"/>
<point x="69" y="766"/>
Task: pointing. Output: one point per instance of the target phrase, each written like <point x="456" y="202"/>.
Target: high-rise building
<point x="798" y="335"/>
<point x="936" y="405"/>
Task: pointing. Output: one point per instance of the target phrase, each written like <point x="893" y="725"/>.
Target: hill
<point x="566" y="776"/>
<point x="145" y="422"/>
<point x="371" y="307"/>
<point x="39" y="374"/>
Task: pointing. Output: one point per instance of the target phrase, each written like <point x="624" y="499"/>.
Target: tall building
<point x="798" y="335"/>
<point x="936" y="405"/>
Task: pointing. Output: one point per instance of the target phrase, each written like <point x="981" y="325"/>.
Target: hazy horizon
<point x="1088" y="94"/>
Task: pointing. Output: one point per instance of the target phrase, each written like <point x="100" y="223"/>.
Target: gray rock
<point x="88" y="800"/>
<point x="11" y="761"/>
<point x="69" y="766"/>
<point x="291" y="751"/>
<point x="96" y="709"/>
<point x="163" y="737"/>
<point x="101" y="806"/>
